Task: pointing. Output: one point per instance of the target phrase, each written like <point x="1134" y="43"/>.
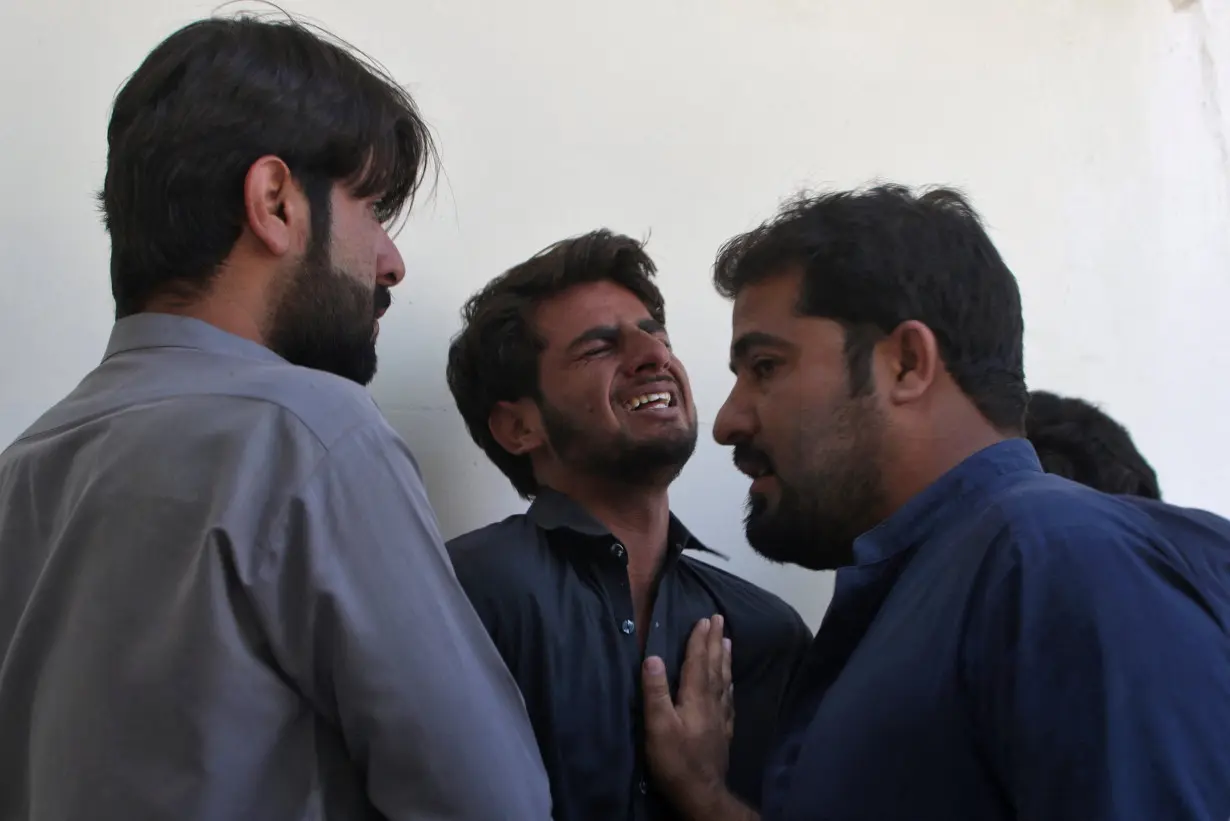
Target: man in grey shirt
<point x="223" y="594"/>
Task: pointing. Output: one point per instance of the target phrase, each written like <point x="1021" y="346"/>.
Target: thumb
<point x="657" y="691"/>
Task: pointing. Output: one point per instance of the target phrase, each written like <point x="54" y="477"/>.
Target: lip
<point x="649" y="388"/>
<point x="761" y="484"/>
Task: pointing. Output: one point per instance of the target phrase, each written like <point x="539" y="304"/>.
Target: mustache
<point x="748" y="456"/>
<point x="383" y="298"/>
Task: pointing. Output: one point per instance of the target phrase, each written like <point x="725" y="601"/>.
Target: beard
<point x="824" y="507"/>
<point x="620" y="458"/>
<point x="326" y="319"/>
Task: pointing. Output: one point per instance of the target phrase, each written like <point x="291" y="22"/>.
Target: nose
<point x="390" y="267"/>
<point x="734" y="422"/>
<point x="649" y="353"/>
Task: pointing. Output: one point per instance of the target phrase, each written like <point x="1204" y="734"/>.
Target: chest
<point x="578" y="662"/>
<point x="878" y="725"/>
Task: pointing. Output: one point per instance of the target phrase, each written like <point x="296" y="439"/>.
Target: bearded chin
<point x="326" y="321"/>
<point x="793" y="533"/>
<point x="620" y="459"/>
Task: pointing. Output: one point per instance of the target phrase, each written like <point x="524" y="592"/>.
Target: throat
<point x="643" y="595"/>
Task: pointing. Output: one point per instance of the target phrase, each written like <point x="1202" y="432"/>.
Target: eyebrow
<point x="744" y="345"/>
<point x="610" y="333"/>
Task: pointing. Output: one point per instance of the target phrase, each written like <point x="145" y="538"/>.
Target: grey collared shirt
<point x="224" y="596"/>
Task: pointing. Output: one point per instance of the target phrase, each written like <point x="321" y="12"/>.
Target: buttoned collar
<point x="553" y="510"/>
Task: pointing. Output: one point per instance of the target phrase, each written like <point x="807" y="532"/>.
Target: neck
<point x="227" y="317"/>
<point x="928" y="457"/>
<point x="235" y="300"/>
<point x="638" y="516"/>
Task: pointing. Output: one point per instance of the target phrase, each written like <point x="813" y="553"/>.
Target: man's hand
<point x="688" y="741"/>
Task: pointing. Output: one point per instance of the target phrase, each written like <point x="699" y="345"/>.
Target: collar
<point x="552" y="510"/>
<point x="152" y="330"/>
<point x="954" y="494"/>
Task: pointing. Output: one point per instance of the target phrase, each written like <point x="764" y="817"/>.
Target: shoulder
<point x="1045" y="522"/>
<point x="1065" y="551"/>
<point x="327" y="407"/>
<point x="500" y="559"/>
<point x="750" y="610"/>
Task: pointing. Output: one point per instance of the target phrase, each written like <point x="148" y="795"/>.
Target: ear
<point x="517" y="426"/>
<point x="275" y="206"/>
<point x="912" y="356"/>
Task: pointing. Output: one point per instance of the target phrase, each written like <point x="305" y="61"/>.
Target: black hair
<point x="877" y="257"/>
<point x="495" y="356"/>
<point x="1078" y="441"/>
<point x="209" y="101"/>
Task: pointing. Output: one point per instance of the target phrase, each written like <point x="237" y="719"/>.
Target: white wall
<point x="1091" y="133"/>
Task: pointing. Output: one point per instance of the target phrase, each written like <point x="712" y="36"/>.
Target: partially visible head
<point x="563" y="370"/>
<point x="870" y="329"/>
<point x="259" y="157"/>
<point x="1076" y="440"/>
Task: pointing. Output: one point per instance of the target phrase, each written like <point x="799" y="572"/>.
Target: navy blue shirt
<point x="552" y="588"/>
<point x="1011" y="645"/>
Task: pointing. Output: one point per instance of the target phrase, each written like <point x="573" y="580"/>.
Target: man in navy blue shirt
<point x="1002" y="643"/>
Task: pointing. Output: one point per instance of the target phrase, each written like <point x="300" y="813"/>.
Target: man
<point x="1078" y="441"/>
<point x="222" y="592"/>
<point x="1002" y="643"/>
<point x="565" y="377"/>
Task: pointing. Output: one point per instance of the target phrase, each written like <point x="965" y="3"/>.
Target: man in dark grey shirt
<point x="565" y="377"/>
<point x="223" y="593"/>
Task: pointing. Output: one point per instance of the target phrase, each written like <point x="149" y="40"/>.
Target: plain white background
<point x="1090" y="133"/>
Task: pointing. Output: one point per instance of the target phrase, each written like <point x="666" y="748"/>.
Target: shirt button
<point x="628" y="627"/>
<point x="617" y="550"/>
<point x="644" y="787"/>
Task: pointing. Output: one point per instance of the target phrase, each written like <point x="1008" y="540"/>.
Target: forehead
<point x="563" y="317"/>
<point x="767" y="303"/>
<point x="768" y="309"/>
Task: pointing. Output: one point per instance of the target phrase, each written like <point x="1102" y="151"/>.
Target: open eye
<point x="763" y="368"/>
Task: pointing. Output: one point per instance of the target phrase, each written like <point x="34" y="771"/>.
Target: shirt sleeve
<point x="367" y="617"/>
<point x="1100" y="681"/>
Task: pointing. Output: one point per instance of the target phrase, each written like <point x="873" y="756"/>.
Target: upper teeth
<point x="647" y="399"/>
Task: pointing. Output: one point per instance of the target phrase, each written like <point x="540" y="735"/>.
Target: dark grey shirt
<point x="552" y="587"/>
<point x="223" y="596"/>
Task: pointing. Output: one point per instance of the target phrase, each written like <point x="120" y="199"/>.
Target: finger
<point x="659" y="709"/>
<point x="694" y="675"/>
<point x="728" y="678"/>
<point x="715" y="648"/>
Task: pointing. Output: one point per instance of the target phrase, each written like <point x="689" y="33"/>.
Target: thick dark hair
<point x="877" y="257"/>
<point x="495" y="356"/>
<point x="208" y="102"/>
<point x="1078" y="441"/>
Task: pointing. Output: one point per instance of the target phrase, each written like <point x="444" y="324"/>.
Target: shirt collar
<point x="553" y="510"/>
<point x="153" y="330"/>
<point x="954" y="494"/>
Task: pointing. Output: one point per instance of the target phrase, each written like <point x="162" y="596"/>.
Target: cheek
<point x="581" y="395"/>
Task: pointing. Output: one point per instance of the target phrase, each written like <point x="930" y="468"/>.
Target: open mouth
<point x="651" y="401"/>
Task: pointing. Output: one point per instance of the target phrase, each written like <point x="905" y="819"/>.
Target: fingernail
<point x="654" y="666"/>
<point x="704" y="625"/>
<point x="726" y="644"/>
<point x="718" y="621"/>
